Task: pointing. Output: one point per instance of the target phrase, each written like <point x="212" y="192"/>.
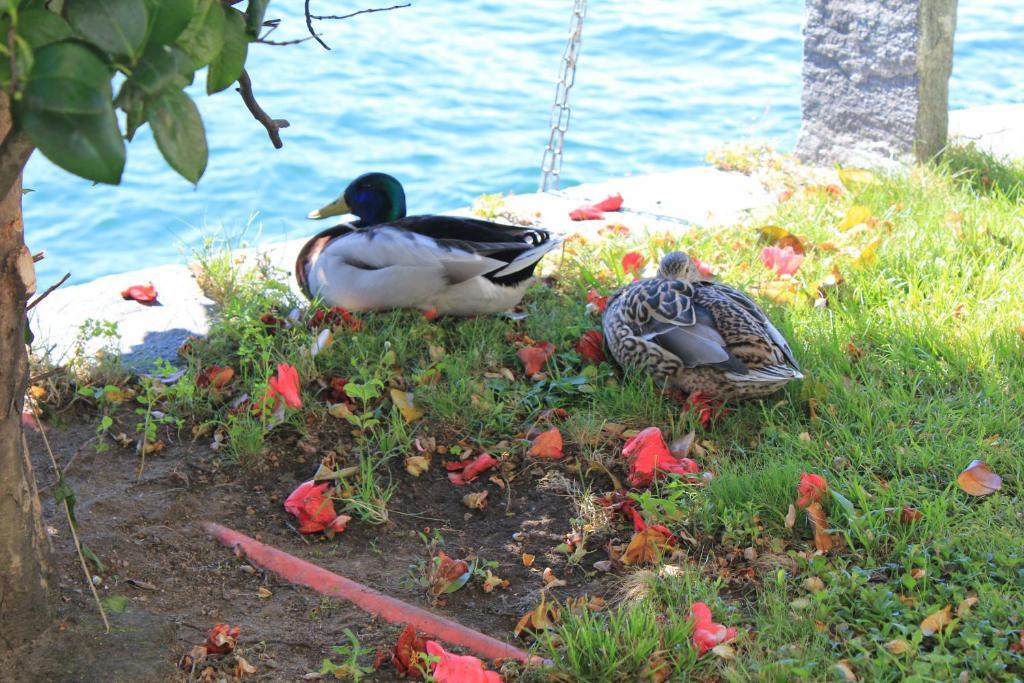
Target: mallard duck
<point x="693" y="334"/>
<point x="438" y="264"/>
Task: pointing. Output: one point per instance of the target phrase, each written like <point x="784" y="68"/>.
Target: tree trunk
<point x="25" y="575"/>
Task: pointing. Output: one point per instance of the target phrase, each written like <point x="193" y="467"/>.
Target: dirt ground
<point x="179" y="582"/>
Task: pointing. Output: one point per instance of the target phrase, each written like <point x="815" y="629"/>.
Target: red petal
<point x="142" y="293"/>
<point x="633" y="263"/>
<point x="611" y="203"/>
<point x="534" y="357"/>
<point x="473" y="469"/>
<point x="586" y="213"/>
<point x="591" y="346"/>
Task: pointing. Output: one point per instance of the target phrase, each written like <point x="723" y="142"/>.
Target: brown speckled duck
<point x="696" y="335"/>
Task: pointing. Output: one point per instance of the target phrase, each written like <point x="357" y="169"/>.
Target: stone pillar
<point x="876" y="80"/>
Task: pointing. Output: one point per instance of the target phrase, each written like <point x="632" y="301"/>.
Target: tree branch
<point x="14" y="153"/>
<point x="309" y="25"/>
<point x="311" y="17"/>
<point x="273" y="126"/>
<point x="362" y="11"/>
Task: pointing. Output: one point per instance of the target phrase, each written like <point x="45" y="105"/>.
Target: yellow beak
<point x="335" y="208"/>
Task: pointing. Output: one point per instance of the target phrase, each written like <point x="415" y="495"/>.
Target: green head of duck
<point x="374" y="197"/>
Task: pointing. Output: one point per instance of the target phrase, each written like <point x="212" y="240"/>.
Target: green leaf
<point x="118" y="604"/>
<point x="41" y="27"/>
<point x="114" y="26"/>
<point x="135" y="116"/>
<point x="88" y="146"/>
<point x="254" y="16"/>
<point x="203" y="38"/>
<point x="227" y="67"/>
<point x="68" y="115"/>
<point x="161" y="67"/>
<point x="91" y="557"/>
<point x="68" y="78"/>
<point x="179" y="133"/>
<point x="168" y="18"/>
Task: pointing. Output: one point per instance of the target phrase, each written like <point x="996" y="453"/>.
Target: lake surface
<point x="453" y="98"/>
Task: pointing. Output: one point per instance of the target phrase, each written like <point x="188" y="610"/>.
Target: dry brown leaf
<point x="682" y="446"/>
<point x="791" y="516"/>
<point x="782" y="238"/>
<point x="417" y="464"/>
<point x="475" y="501"/>
<point x="404" y="401"/>
<point x="937" y="621"/>
<point x="540" y="618"/>
<point x="813" y="584"/>
<point x="978" y="480"/>
<point x="242" y="667"/>
<point x="780" y="290"/>
<point x="823" y="541"/>
<point x="528" y="559"/>
<point x="657" y="670"/>
<point x="646" y="547"/>
<point x="550" y="580"/>
<point x="263" y="593"/>
<point x="845" y="671"/>
<point x="547" y="445"/>
<point x="964" y="608"/>
<point x="492" y="581"/>
<point x="897" y="647"/>
<point x="724" y="651"/>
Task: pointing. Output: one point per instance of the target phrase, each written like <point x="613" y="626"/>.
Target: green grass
<point x="914" y="369"/>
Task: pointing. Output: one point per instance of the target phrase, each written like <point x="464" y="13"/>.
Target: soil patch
<point x="179" y="582"/>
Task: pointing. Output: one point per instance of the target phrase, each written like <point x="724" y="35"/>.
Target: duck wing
<point x="665" y="313"/>
<point x="746" y="322"/>
<point x="518" y="249"/>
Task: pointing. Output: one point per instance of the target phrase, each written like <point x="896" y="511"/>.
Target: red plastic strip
<point x="391" y="609"/>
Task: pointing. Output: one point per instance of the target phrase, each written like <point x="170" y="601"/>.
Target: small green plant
<point x="365" y="392"/>
<point x="351" y="668"/>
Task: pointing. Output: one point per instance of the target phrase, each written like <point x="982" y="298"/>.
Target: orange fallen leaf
<point x="475" y="501"/>
<point x="528" y="559"/>
<point x="243" y="668"/>
<point x="550" y="580"/>
<point x="897" y="647"/>
<point x="404" y="401"/>
<point x="542" y="617"/>
<point x="937" y="621"/>
<point x="547" y="445"/>
<point x="845" y="671"/>
<point x="823" y="541"/>
<point x="978" y="480"/>
<point x="646" y="547"/>
<point x="492" y="581"/>
<point x="534" y="357"/>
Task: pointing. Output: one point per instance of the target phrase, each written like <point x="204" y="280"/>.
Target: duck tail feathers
<point x="527" y="260"/>
<point x="772" y="374"/>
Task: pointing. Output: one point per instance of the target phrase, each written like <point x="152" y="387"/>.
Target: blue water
<point x="453" y="97"/>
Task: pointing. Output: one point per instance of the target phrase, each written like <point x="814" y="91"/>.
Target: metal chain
<point x="551" y="163"/>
